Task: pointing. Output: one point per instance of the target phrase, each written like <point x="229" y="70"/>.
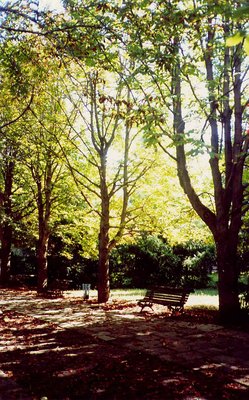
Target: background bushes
<point x="198" y="260"/>
<point x="150" y="260"/>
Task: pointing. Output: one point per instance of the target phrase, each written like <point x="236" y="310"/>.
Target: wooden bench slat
<point x="173" y="298"/>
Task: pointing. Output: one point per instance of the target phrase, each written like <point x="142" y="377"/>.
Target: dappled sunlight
<point x="241" y="382"/>
<point x="148" y="333"/>
<point x="69" y="372"/>
<point x="83" y="349"/>
<point x="70" y="310"/>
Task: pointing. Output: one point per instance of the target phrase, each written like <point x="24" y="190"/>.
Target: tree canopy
<point x="141" y="92"/>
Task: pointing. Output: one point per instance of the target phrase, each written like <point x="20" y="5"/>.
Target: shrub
<point x="83" y="272"/>
<point x="149" y="261"/>
<point x="197" y="259"/>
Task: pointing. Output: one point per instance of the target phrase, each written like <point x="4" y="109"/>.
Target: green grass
<point x="141" y="292"/>
<point x="206" y="292"/>
<point x="207" y="298"/>
<point x="124" y="293"/>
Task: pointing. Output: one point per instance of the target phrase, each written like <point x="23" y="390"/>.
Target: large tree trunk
<point x="228" y="273"/>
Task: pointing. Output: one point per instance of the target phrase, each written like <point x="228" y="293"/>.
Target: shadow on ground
<point x="115" y="353"/>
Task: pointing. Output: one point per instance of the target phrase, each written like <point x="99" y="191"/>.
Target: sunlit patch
<point x="72" y="355"/>
<point x="147" y="333"/>
<point x="99" y="391"/>
<point x="235" y="386"/>
<point x="6" y="374"/>
<point x="48" y="343"/>
<point x="209" y="366"/>
<point x="234" y="367"/>
<point x="68" y="372"/>
<point x="166" y="382"/>
<point x="194" y="398"/>
<point x="126" y="316"/>
<point x="243" y="381"/>
<point x="41" y="351"/>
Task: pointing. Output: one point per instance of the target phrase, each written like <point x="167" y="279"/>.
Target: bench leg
<point x="146" y="305"/>
<point x="175" y="310"/>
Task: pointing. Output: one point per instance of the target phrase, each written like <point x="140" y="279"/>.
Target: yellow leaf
<point x="246" y="45"/>
<point x="234" y="40"/>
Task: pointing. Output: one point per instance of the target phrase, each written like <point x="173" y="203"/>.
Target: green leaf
<point x="246" y="45"/>
<point x="234" y="40"/>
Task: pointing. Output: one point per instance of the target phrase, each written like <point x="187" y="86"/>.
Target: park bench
<point x="173" y="298"/>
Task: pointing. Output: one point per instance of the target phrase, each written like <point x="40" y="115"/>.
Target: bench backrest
<point x="168" y="295"/>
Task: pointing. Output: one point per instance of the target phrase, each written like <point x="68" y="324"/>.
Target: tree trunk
<point x="228" y="273"/>
<point x="103" y="268"/>
<point x="104" y="241"/>
<point x="42" y="264"/>
<point x="225" y="221"/>
<point x="6" y="241"/>
<point x="44" y="208"/>
<point x="6" y="229"/>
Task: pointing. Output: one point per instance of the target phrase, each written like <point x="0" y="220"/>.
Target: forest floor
<point x="64" y="348"/>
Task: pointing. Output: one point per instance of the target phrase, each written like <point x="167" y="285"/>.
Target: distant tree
<point x="17" y="93"/>
<point x="43" y="155"/>
<point x="110" y="165"/>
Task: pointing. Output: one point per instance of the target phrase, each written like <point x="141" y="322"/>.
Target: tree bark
<point x="6" y="241"/>
<point x="6" y="229"/>
<point x="44" y="210"/>
<point x="228" y="273"/>
<point x="103" y="270"/>
<point x="42" y="264"/>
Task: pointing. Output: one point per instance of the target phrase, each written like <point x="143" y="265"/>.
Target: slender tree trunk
<point x="42" y="248"/>
<point x="6" y="241"/>
<point x="42" y="264"/>
<point x="103" y="270"/>
<point x="6" y="231"/>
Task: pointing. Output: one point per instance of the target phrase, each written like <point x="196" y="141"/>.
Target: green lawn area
<point x="201" y="297"/>
<point x="206" y="298"/>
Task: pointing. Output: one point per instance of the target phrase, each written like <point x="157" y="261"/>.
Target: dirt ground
<point x="115" y="353"/>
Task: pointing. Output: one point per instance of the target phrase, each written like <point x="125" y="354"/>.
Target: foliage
<point x="244" y="293"/>
<point x="197" y="258"/>
<point x="68" y="261"/>
<point x="148" y="261"/>
<point x="241" y="36"/>
<point x="151" y="260"/>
